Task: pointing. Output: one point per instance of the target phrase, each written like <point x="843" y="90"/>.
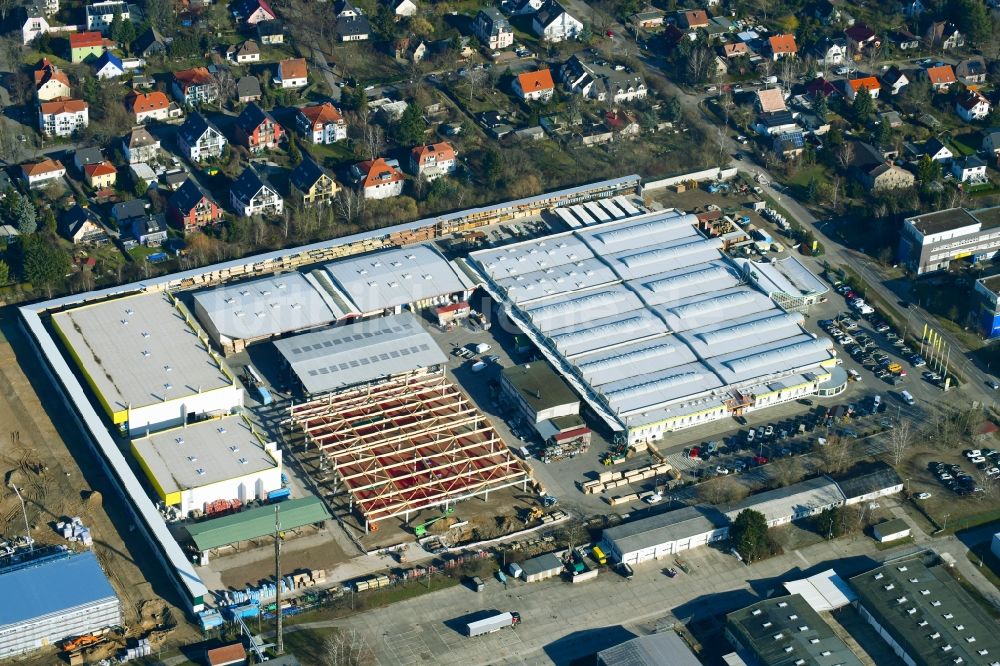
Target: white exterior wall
<point x="154" y="114"/>
<point x="294" y="83"/>
<point x="663" y="549"/>
<point x="174" y="412"/>
<point x="30" y="636"/>
<point x="63" y="124"/>
<point x="384" y="190"/>
<point x="896" y="647"/>
<point x="874" y="495"/>
<point x="243" y="488"/>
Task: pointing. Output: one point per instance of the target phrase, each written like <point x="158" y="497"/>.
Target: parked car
<point x="923" y="496"/>
<point x="655" y="498"/>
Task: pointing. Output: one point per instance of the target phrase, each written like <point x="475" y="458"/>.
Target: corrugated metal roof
<point x="52" y="586"/>
<point x="655" y="650"/>
<point x="255" y="523"/>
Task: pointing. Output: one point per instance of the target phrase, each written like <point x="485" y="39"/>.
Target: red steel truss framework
<point x="408" y="444"/>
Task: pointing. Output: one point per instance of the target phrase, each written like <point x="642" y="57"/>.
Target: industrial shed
<point x="53" y="598"/>
<point x="391" y="280"/>
<point x="237" y="314"/>
<point x="794" y="502"/>
<point x="538" y="392"/>
<point x="255" y="523"/>
<point x="406" y="444"/>
<point x="653" y="325"/>
<point x="868" y="481"/>
<point x="542" y="567"/>
<point x="366" y="351"/>
<point x="665" y="534"/>
<point x="219" y="459"/>
<point x="149" y="365"/>
<point x="654" y="650"/>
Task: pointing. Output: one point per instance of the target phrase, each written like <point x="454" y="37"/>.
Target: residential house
<point x="292" y="73"/>
<point x="943" y="35"/>
<point x="942" y="77"/>
<point x="253" y="12"/>
<point x="777" y="122"/>
<point x="38" y="174"/>
<point x="150" y="44"/>
<point x="257" y="129"/>
<point x="352" y="24"/>
<point x="905" y="40"/>
<point x="524" y="7"/>
<point x="127" y="212"/>
<point x="853" y="86"/>
<point x="148" y="106"/>
<point x="312" y="184"/>
<point x="894" y="80"/>
<point x="860" y="38"/>
<point x="871" y="168"/>
<point x="598" y="81"/>
<point x="736" y="50"/>
<point x="971" y="71"/>
<point x="86" y="156"/>
<point x="199" y="140"/>
<point x="770" y="100"/>
<point x="191" y="208"/>
<point x="693" y="19"/>
<point x="535" y="86"/>
<point x="820" y="86"/>
<point x="830" y="52"/>
<point x="63" y="118"/>
<point x="100" y="14"/>
<point x="100" y="176"/>
<point x="718" y="68"/>
<point x="244" y="53"/>
<point x="645" y="20"/>
<point x="86" y="45"/>
<point x="892" y="118"/>
<point x="50" y="82"/>
<point x="832" y="13"/>
<point x="492" y="29"/>
<point x="411" y="49"/>
<point x="32" y="19"/>
<point x="379" y="178"/>
<point x="248" y="89"/>
<point x="251" y="195"/>
<point x="108" y="66"/>
<point x="782" y="46"/>
<point x="938" y="151"/>
<point x="194" y="87"/>
<point x="271" y="32"/>
<point x="552" y="23"/>
<point x="433" y="160"/>
<point x="140" y="146"/>
<point x="149" y="230"/>
<point x="972" y="105"/>
<point x="991" y="142"/>
<point x="969" y="169"/>
<point x="82" y="226"/>
<point x="788" y="144"/>
<point x="403" y="8"/>
<point x="321" y="123"/>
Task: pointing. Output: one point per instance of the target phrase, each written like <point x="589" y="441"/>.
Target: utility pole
<point x="27" y="526"/>
<point x="280" y="643"/>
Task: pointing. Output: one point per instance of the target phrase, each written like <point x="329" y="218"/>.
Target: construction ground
<point x="43" y="460"/>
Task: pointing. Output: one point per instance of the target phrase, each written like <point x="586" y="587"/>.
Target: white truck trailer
<point x="493" y="623"/>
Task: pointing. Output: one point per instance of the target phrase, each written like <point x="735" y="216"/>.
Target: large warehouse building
<point x="235" y="315"/>
<point x="392" y="280"/>
<point x="366" y="351"/>
<point x="218" y="459"/>
<point x="925" y="616"/>
<point x="147" y="363"/>
<point x="410" y="443"/>
<point x="53" y="598"/>
<point x="653" y="325"/>
<point x="930" y="242"/>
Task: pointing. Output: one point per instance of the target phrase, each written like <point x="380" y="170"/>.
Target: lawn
<point x="800" y="179"/>
<point x="308" y="645"/>
<point x="965" y="142"/>
<point x="330" y="155"/>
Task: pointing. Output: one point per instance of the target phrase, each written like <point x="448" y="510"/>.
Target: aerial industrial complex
<point x="652" y="293"/>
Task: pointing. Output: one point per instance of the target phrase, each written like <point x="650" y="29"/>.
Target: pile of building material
<point x="309" y="578"/>
<point x="74" y="530"/>
<point x="142" y="649"/>
<point x="373" y="583"/>
<point x="609" y="480"/>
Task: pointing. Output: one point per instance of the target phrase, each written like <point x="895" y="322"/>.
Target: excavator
<point x="421" y="529"/>
<point x="78" y="643"/>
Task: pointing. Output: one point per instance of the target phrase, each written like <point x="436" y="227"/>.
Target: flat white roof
<point x="786" y="276"/>
<point x="582" y="307"/>
<point x="787" y="356"/>
<point x="644" y="232"/>
<point x="532" y="255"/>
<point x="633" y="360"/>
<point x="688" y="282"/>
<point x="203" y="453"/>
<point x="605" y="332"/>
<point x="391" y="278"/>
<point x="669" y="255"/>
<point x="342" y="356"/>
<point x="263" y="307"/>
<point x="739" y="333"/>
<point x="713" y="307"/>
<point x="553" y="281"/>
<point x="648" y="390"/>
<point x="825" y="591"/>
<point x="139" y="351"/>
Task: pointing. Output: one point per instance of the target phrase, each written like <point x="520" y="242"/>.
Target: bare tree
<point x="786" y="471"/>
<point x="350" y="204"/>
<point x="374" y="140"/>
<point x="226" y="83"/>
<point x="835" y="456"/>
<point x="347" y="648"/>
<point x="722" y="490"/>
<point x="5" y="7"/>
<point x="900" y="439"/>
<point x="845" y="155"/>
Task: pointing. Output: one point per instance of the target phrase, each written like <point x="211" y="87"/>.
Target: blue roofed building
<point x="108" y="66"/>
<point x="53" y="598"/>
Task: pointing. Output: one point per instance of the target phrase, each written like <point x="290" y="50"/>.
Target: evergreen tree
<point x="25" y="216"/>
<point x="409" y="129"/>
<point x="749" y="534"/>
<point x="863" y="107"/>
<point x="43" y="264"/>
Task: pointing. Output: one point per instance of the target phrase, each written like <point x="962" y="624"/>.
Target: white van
<point x="906" y="397"/>
<point x="854" y="374"/>
<point x="878" y="401"/>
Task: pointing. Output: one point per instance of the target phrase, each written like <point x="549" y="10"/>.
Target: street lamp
<point x="946" y="516"/>
<point x="907" y="485"/>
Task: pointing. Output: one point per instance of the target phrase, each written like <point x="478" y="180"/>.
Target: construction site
<point x="393" y="450"/>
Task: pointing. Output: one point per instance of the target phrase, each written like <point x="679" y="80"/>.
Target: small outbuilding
<point x="541" y="567"/>
<point x="891" y="530"/>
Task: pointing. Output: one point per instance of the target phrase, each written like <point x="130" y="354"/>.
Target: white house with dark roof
<point x="552" y="23"/>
